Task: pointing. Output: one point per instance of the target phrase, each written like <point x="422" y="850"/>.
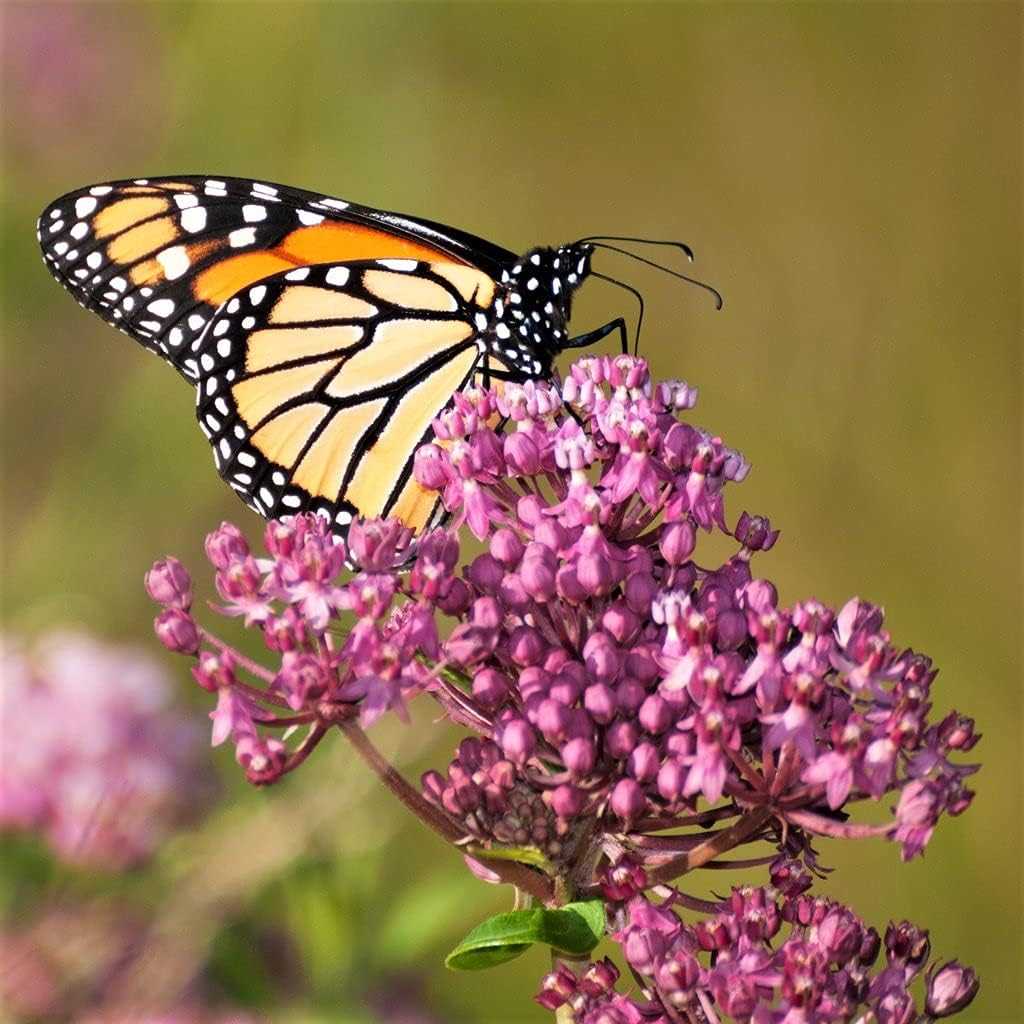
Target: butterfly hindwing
<point x="157" y="257"/>
<point x="316" y="385"/>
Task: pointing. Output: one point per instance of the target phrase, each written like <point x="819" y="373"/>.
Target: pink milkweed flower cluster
<point x="613" y="686"/>
<point x="95" y="757"/>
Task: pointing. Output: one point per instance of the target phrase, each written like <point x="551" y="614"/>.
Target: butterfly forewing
<point x="157" y="257"/>
<point x="323" y="337"/>
<point x="316" y="386"/>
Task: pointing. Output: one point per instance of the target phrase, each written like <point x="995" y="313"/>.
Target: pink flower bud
<point x="262" y="759"/>
<point x="486" y="613"/>
<point x="620" y="739"/>
<point x="627" y="800"/>
<point x="950" y="989"/>
<point x="538" y="577"/>
<point x="302" y="679"/>
<point x="759" y="596"/>
<point x="677" y="541"/>
<point x="756" y="533"/>
<point x="526" y="646"/>
<point x="215" y="670"/>
<point x="432" y="784"/>
<point x="507" y="548"/>
<point x="169" y="584"/>
<point x="513" y="594"/>
<point x="599" y="700"/>
<point x="644" y="762"/>
<point x="600" y="978"/>
<point x="521" y="453"/>
<point x="680" y="973"/>
<point x="671" y="780"/>
<point x="518" y="741"/>
<point x="226" y="545"/>
<point x="566" y="687"/>
<point x="578" y="756"/>
<point x="567" y="801"/>
<point x="557" y="988"/>
<point x="655" y="715"/>
<point x="377" y="545"/>
<point x="730" y="629"/>
<point x="431" y="467"/>
<point x="550" y="533"/>
<point x="620" y="622"/>
<point x="530" y="510"/>
<point x="491" y="688"/>
<point x="601" y="656"/>
<point x="569" y="586"/>
<point x="640" y="591"/>
<point x="629" y="695"/>
<point x="456" y="599"/>
<point x="552" y="718"/>
<point x="486" y="574"/>
<point x="595" y="574"/>
<point x="177" y="631"/>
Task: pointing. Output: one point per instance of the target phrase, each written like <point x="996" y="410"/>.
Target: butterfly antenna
<point x="715" y="293"/>
<point x="681" y="246"/>
<point x="639" y="298"/>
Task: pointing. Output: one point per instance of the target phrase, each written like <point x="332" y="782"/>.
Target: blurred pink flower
<point x="68" y="70"/>
<point x="95" y="758"/>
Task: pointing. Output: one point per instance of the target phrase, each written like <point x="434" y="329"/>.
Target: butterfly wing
<point x="157" y="257"/>
<point x="316" y="385"/>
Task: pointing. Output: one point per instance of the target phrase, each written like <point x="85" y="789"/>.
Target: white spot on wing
<point x="242" y="236"/>
<point x="337" y="276"/>
<point x="194" y="219"/>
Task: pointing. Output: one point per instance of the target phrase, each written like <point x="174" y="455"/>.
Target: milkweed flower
<point x="96" y="759"/>
<point x="614" y="686"/>
<point x="74" y="960"/>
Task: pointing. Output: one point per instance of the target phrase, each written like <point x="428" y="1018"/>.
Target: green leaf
<point x="497" y="940"/>
<point x="575" y="928"/>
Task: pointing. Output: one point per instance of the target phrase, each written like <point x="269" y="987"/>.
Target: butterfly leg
<point x="592" y="337"/>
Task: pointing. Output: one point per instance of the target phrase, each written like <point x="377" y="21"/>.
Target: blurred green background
<point x="850" y="178"/>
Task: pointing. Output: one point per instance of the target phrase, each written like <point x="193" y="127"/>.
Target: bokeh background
<point x="850" y="178"/>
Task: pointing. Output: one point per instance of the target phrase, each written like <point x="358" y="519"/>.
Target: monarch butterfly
<point x="322" y="337"/>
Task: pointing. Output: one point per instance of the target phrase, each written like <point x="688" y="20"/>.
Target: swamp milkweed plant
<point x="632" y="715"/>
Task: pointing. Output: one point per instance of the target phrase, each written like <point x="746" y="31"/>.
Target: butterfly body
<point x="322" y="337"/>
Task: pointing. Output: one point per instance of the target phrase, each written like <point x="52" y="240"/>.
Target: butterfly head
<point x="540" y="286"/>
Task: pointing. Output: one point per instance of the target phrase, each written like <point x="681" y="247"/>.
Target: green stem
<point x="510" y="872"/>
<point x="565" y="1013"/>
<point x="407" y="794"/>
